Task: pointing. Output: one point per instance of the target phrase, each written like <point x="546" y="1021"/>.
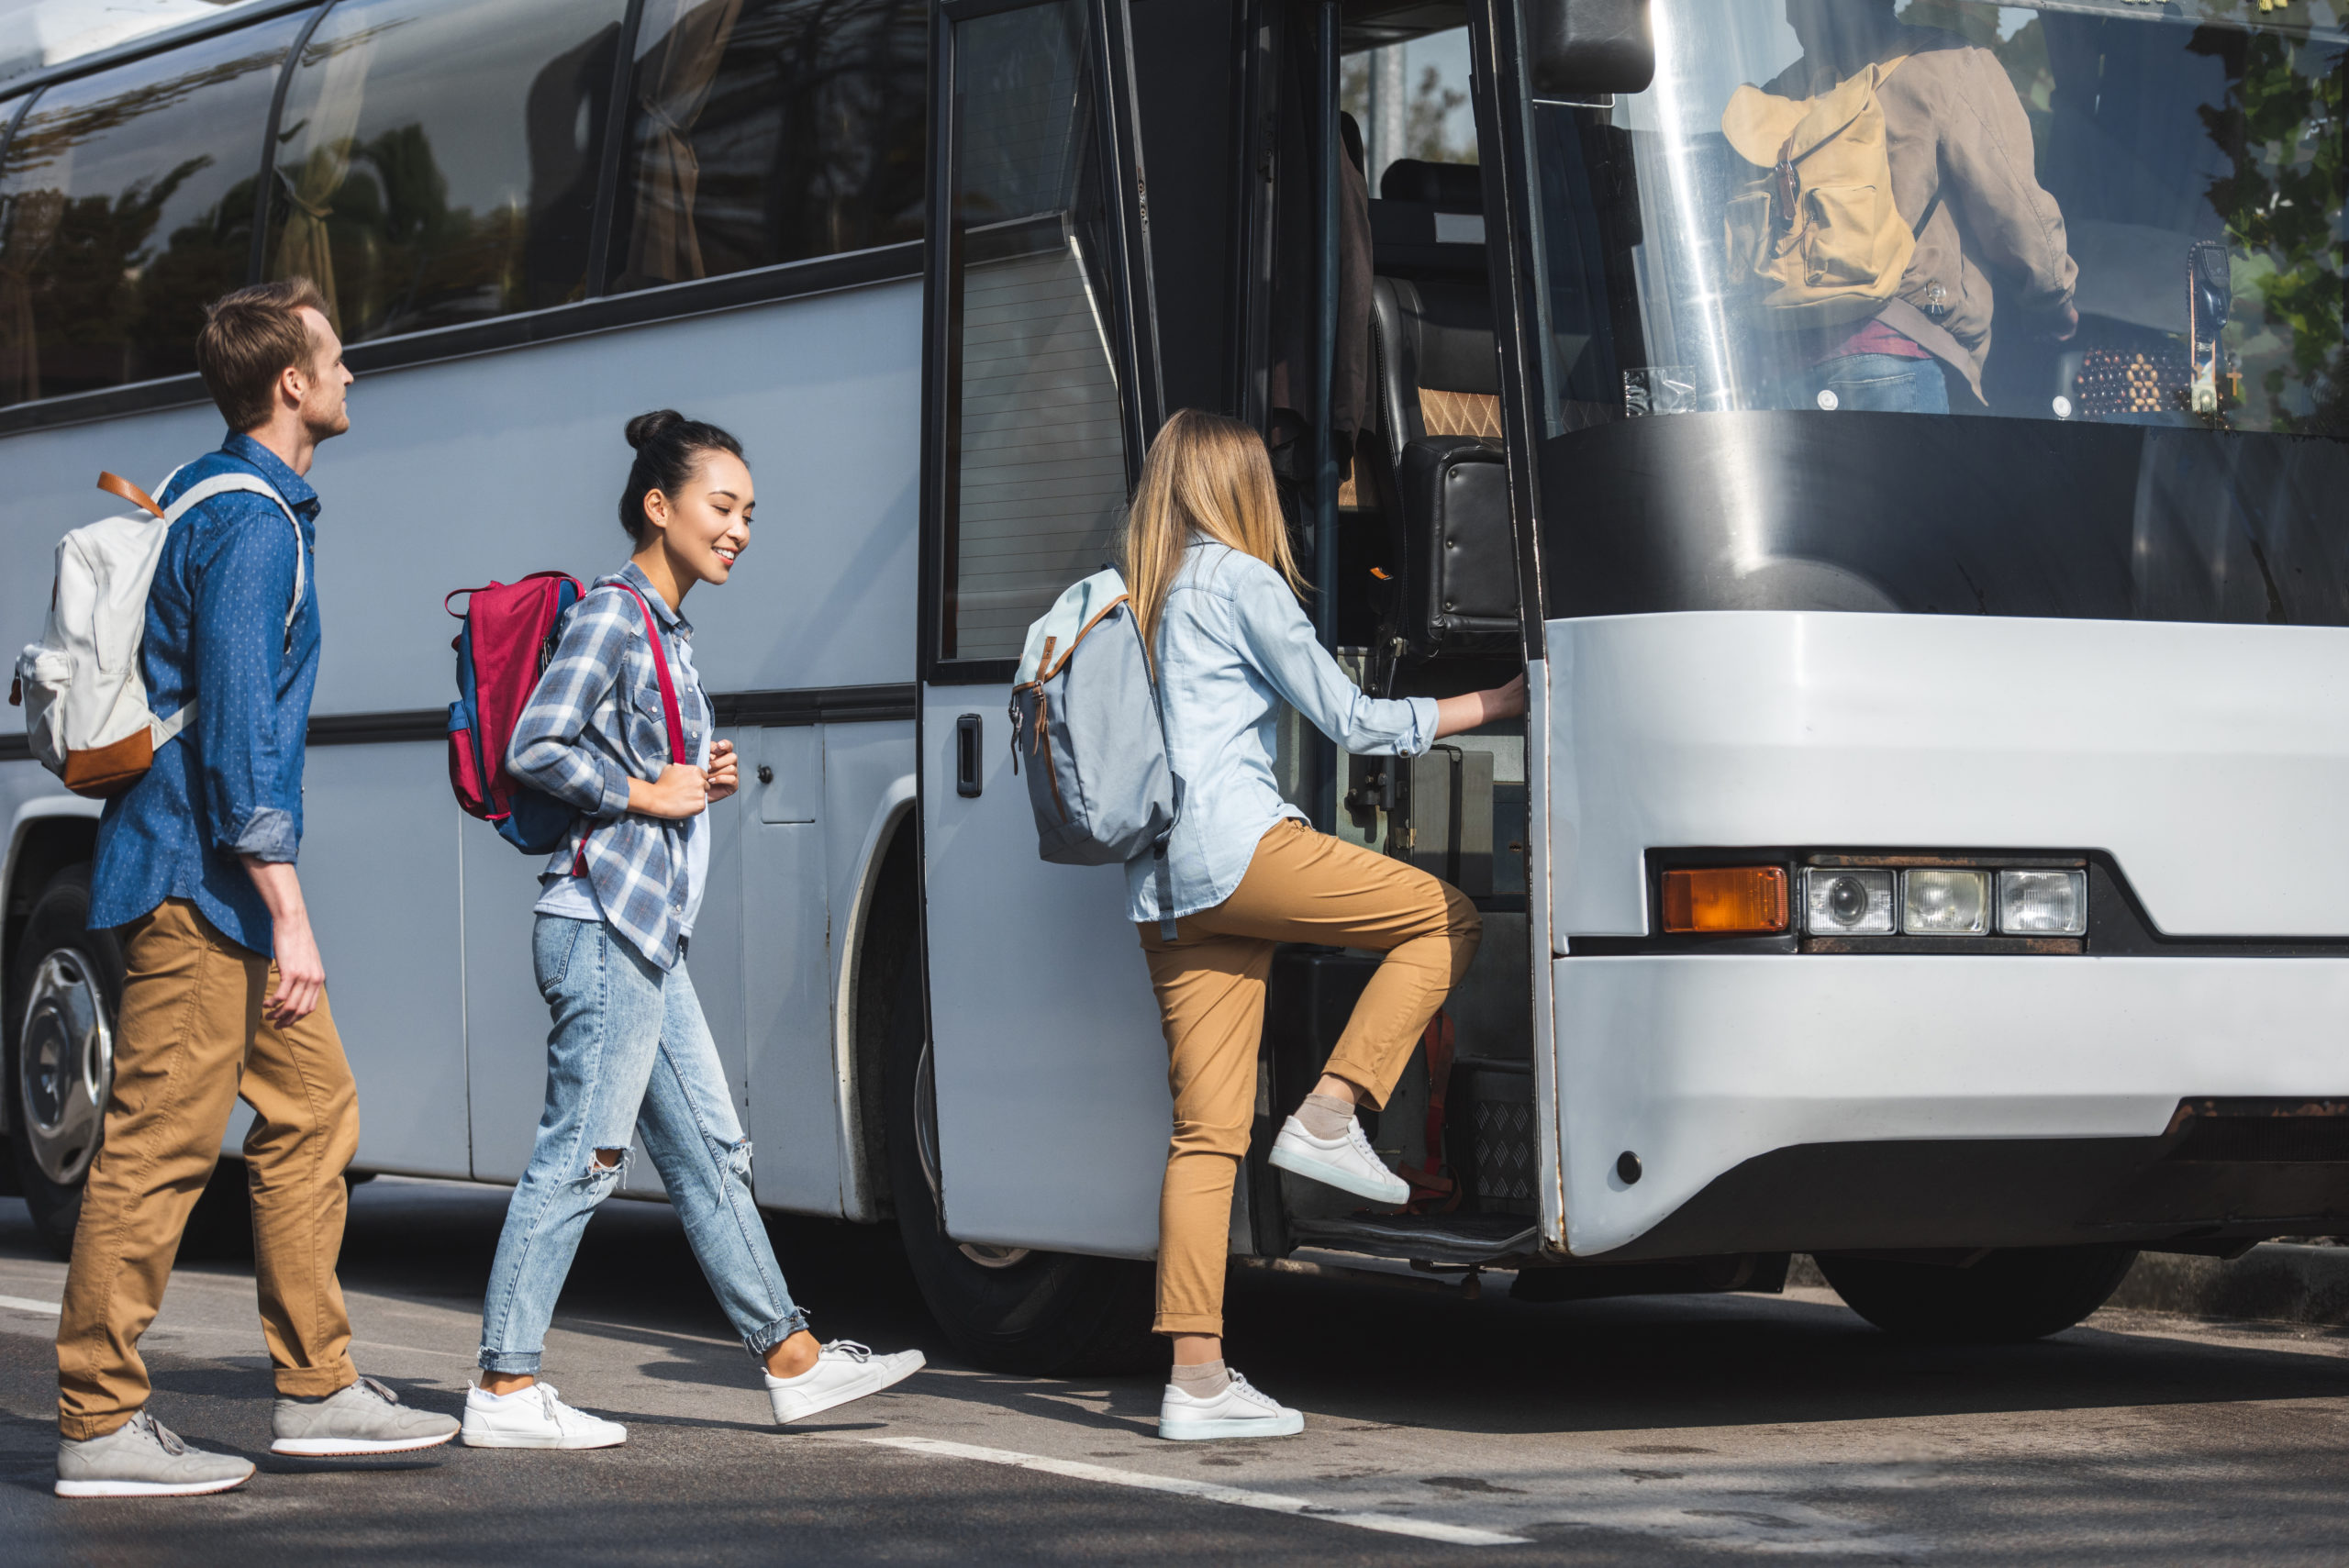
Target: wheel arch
<point x="876" y="940"/>
<point x="45" y="836"/>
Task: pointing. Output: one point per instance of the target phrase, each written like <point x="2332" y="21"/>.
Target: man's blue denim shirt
<point x="232" y="784"/>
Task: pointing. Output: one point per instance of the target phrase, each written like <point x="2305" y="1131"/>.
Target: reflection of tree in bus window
<point x="436" y="164"/>
<point x="126" y="204"/>
<point x="762" y="131"/>
<point x="1411" y="101"/>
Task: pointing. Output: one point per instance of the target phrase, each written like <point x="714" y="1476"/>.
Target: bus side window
<point x="764" y="131"/>
<point x="126" y="204"/>
<point x="436" y="164"/>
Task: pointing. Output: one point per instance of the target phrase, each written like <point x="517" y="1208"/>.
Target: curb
<point x="2277" y="1282"/>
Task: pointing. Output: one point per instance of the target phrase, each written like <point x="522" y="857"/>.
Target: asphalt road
<point x="1658" y="1432"/>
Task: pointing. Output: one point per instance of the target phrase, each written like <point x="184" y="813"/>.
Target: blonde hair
<point x="1206" y="475"/>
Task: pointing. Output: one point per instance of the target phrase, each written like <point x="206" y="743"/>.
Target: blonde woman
<point x="1206" y="562"/>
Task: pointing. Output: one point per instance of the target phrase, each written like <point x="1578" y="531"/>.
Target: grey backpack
<point x="1085" y="713"/>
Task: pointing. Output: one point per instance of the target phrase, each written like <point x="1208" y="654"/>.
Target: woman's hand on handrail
<point x="1476" y="709"/>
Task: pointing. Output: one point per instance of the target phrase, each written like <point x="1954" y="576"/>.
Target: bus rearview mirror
<point x="1583" y="49"/>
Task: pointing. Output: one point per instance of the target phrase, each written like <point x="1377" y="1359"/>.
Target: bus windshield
<point x="2087" y="210"/>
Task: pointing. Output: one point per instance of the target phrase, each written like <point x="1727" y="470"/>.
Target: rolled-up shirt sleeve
<point x="1281" y="642"/>
<point x="243" y="585"/>
<point x="545" y="751"/>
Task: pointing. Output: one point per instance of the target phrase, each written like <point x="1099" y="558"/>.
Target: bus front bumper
<point x="1816" y="1102"/>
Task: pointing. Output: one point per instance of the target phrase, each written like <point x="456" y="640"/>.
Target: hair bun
<point x="669" y="449"/>
<point x="652" y="426"/>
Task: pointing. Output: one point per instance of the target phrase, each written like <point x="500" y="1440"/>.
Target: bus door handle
<point x="966" y="755"/>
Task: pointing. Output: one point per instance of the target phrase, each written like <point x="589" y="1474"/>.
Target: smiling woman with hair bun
<point x="619" y="729"/>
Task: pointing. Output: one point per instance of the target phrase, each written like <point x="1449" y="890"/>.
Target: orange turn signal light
<point x="1726" y="900"/>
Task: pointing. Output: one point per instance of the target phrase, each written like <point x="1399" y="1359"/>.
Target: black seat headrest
<point x="1457" y="185"/>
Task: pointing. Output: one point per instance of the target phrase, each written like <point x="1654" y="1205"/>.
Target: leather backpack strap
<point x="116" y="485"/>
<point x="668" y="687"/>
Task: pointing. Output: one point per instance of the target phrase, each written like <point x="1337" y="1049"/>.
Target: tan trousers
<point x="190" y="1041"/>
<point x="1302" y="887"/>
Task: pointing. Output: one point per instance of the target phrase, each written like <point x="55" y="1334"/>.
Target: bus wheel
<point x="62" y="999"/>
<point x="2012" y="1294"/>
<point x="1007" y="1308"/>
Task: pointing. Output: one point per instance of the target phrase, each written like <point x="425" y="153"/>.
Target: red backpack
<point x="509" y="635"/>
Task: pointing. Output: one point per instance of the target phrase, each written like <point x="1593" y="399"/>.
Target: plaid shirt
<point x="594" y="723"/>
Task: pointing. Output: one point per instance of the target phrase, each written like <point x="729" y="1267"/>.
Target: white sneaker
<point x="534" y="1417"/>
<point x="844" y="1370"/>
<point x="1240" y="1411"/>
<point x="1347" y="1163"/>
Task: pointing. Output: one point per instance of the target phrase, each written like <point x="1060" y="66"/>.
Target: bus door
<point x="1041" y="385"/>
<point x="1546" y="73"/>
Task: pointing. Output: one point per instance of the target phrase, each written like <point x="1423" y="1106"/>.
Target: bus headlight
<point x="1944" y="902"/>
<point x="1840" y="902"/>
<point x="2043" y="903"/>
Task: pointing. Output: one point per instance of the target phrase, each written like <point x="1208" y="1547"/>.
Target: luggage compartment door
<point x="1042" y="386"/>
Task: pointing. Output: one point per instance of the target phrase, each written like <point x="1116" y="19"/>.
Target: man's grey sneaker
<point x="844" y="1370"/>
<point x="534" y="1417"/>
<point x="365" y="1417"/>
<point x="143" y="1458"/>
<point x="1240" y="1411"/>
<point x="1347" y="1163"/>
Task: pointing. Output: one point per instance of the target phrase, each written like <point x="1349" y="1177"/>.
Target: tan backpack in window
<point x="1817" y="241"/>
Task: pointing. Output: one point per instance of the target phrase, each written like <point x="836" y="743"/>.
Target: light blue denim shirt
<point x="1234" y="643"/>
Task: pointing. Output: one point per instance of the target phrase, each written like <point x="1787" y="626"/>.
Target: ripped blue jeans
<point x="629" y="1054"/>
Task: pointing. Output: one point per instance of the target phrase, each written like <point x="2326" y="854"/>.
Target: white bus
<point x="1923" y="849"/>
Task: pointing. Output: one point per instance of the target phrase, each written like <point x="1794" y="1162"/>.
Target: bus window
<point x="126" y="202"/>
<point x="2100" y="211"/>
<point x="1042" y="475"/>
<point x="762" y="131"/>
<point x="436" y="164"/>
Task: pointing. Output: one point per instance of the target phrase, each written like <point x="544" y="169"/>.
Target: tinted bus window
<point x="762" y="131"/>
<point x="126" y="204"/>
<point x="436" y="161"/>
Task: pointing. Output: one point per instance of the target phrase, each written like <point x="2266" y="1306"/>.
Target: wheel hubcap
<point x="925" y="1144"/>
<point x="64" y="1066"/>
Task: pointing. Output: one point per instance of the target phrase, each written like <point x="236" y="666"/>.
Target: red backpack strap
<point x="661" y="668"/>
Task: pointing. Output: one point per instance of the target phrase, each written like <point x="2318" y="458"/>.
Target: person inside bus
<point x="224" y="993"/>
<point x="630" y="1052"/>
<point x="1217" y="593"/>
<point x="1962" y="181"/>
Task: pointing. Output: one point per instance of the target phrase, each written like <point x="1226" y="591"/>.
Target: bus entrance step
<point x="1429" y="1237"/>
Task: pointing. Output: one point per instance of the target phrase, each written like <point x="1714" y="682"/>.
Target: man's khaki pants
<point x="1302" y="887"/>
<point x="190" y="1040"/>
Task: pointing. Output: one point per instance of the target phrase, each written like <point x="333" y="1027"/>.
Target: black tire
<point x="1033" y="1313"/>
<point x="64" y="1069"/>
<point x="2013" y="1295"/>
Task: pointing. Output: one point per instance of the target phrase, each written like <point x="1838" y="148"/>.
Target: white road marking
<point x="25" y="1303"/>
<point x="1239" y="1497"/>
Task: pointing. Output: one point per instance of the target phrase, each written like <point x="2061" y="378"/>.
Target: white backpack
<point x="84" y="700"/>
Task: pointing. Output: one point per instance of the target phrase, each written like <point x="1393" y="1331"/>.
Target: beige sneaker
<point x="365" y="1417"/>
<point x="144" y="1458"/>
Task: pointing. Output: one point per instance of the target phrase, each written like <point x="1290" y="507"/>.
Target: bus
<point x="1923" y="848"/>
